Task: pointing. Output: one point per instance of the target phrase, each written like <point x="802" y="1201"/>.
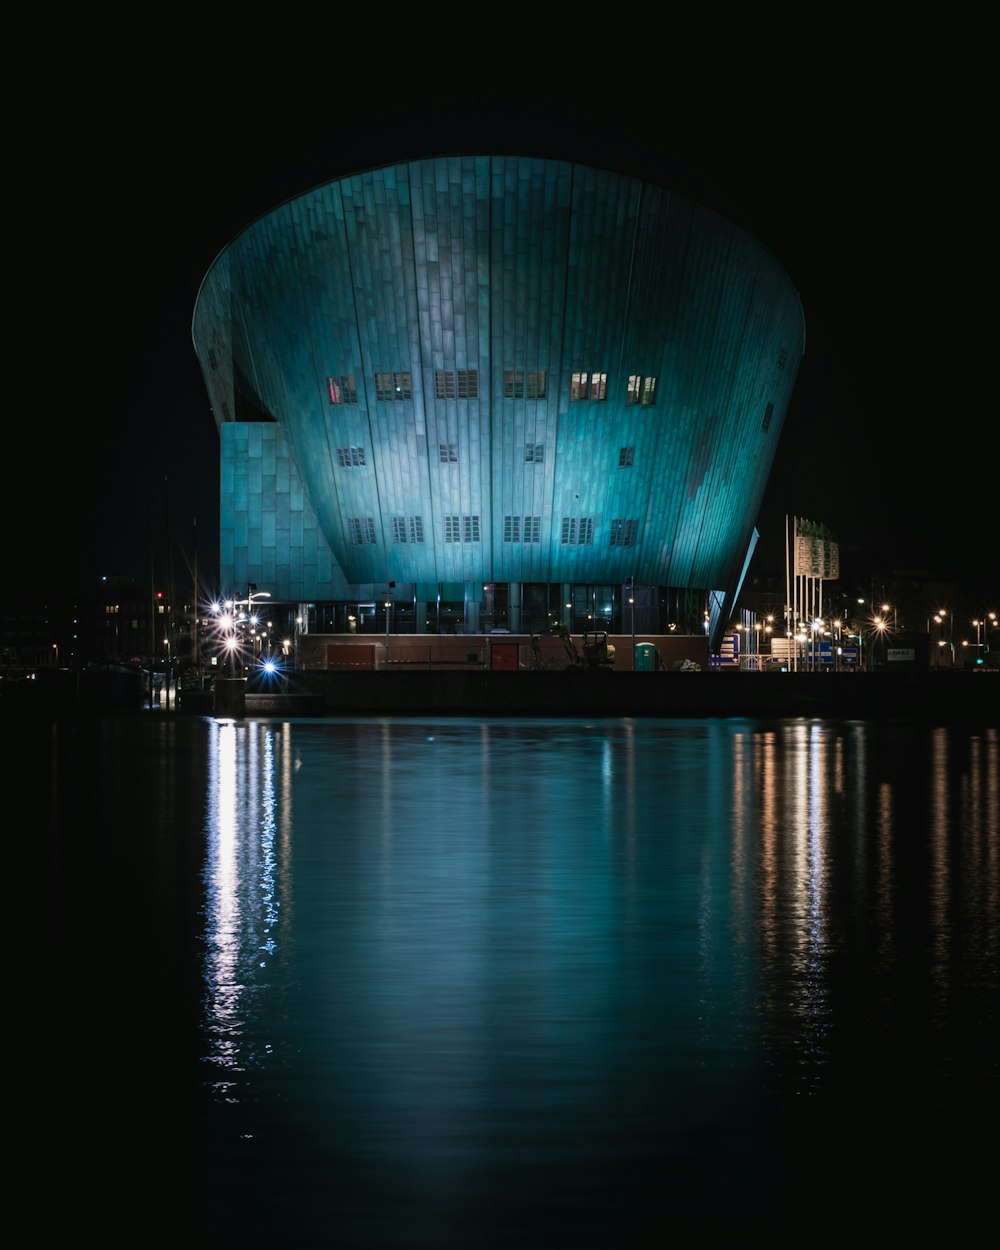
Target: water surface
<point x="491" y="983"/>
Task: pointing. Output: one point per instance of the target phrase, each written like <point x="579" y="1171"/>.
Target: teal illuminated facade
<point x="472" y="371"/>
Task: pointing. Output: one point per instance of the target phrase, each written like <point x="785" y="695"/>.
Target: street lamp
<point x="982" y="643"/>
<point x="880" y="626"/>
<point x="631" y="602"/>
<point x="815" y="627"/>
<point x="950" y="644"/>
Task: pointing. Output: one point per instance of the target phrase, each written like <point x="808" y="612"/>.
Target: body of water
<point x="474" y="983"/>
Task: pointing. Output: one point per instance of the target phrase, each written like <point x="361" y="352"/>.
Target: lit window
<point x="641" y="390"/>
<point x="342" y="390"/>
<point x="520" y="385"/>
<point x="392" y="386"/>
<point x="456" y="384"/>
<point x="588" y="386"/>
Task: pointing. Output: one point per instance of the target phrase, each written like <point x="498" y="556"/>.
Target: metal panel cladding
<point x="499" y="368"/>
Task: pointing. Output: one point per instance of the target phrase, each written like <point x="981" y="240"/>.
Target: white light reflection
<point x="793" y="885"/>
<point x="223" y="904"/>
<point x="242" y="897"/>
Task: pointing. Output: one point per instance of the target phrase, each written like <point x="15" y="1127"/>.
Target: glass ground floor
<point x="520" y="607"/>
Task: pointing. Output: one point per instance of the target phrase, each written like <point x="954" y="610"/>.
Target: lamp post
<point x="252" y="594"/>
<point x="880" y="625"/>
<point x="389" y="588"/>
<point x="631" y="610"/>
<point x="982" y="638"/>
<point x="950" y="644"/>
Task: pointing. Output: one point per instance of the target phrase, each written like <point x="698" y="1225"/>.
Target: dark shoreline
<point x="960" y="697"/>
<point x="934" y="696"/>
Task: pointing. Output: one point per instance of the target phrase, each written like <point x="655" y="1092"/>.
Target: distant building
<point x="127" y="621"/>
<point x="494" y="391"/>
<point x="40" y="631"/>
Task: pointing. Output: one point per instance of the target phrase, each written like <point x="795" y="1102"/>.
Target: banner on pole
<point x="817" y="553"/>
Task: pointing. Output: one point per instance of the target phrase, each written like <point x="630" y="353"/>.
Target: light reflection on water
<point x="490" y="984"/>
<point x="561" y="974"/>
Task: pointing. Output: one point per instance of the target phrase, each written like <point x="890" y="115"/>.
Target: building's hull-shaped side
<point x="494" y="369"/>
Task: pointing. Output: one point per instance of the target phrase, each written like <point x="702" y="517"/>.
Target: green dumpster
<point x="646" y="658"/>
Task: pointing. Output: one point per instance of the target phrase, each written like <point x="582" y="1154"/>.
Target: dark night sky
<point x="856" y="185"/>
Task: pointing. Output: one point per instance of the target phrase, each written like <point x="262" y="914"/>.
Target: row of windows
<point x="464" y="384"/>
<point x="534" y="453"/>
<point x="576" y="531"/>
<point x="518" y="529"/>
<point x="461" y="529"/>
<point x="407" y="529"/>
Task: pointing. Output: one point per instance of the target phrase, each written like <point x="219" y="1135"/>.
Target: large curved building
<point x="482" y="374"/>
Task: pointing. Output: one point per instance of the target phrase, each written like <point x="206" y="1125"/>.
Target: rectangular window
<point x="782" y="358"/>
<point x="362" y="529"/>
<point x="522" y="529"/>
<point x="392" y="386"/>
<point x="534" y="453"/>
<point x="578" y="531"/>
<point x="626" y="458"/>
<point x="588" y="386"/>
<point x="407" y="529"/>
<point x="518" y="384"/>
<point x="461" y="529"/>
<point x="623" y="533"/>
<point x="342" y="390"/>
<point x="456" y="384"/>
<point x="641" y="390"/>
<point x="348" y="457"/>
<point x="448" y="453"/>
<point x="768" y="413"/>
